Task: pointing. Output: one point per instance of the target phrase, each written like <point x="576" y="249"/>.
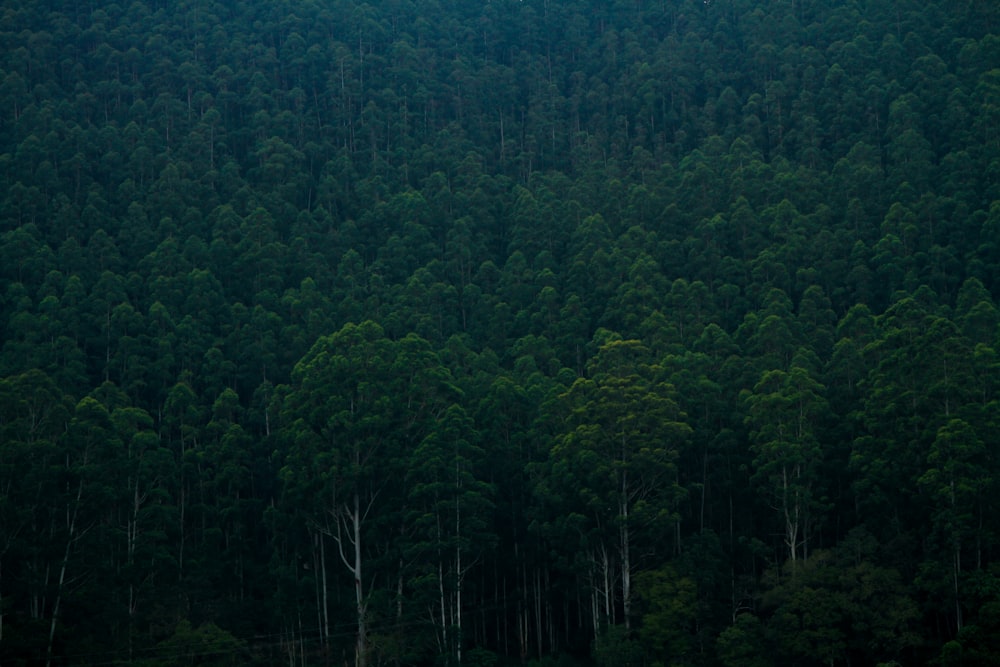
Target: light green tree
<point x="783" y="413"/>
<point x="957" y="479"/>
<point x="360" y="405"/>
<point x="616" y="461"/>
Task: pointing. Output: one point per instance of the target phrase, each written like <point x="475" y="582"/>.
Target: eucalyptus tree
<point x="784" y="413"/>
<point x="34" y="414"/>
<point x="359" y="406"/>
<point x="957" y="480"/>
<point x="615" y="467"/>
<point x="450" y="507"/>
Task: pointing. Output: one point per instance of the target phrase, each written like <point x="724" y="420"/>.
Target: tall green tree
<point x="957" y="480"/>
<point x="616" y="462"/>
<point x="785" y="412"/>
<point x="360" y="405"/>
<point x="451" y="506"/>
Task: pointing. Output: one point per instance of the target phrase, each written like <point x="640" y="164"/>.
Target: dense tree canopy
<point x="503" y="332"/>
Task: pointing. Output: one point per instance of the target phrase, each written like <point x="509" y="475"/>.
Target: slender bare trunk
<point x="133" y="539"/>
<point x="348" y="520"/>
<point x="316" y="587"/>
<point x="522" y="621"/>
<point x="790" y="507"/>
<point x="326" y="601"/>
<point x="595" y="605"/>
<point x="70" y="538"/>
<point x="606" y="566"/>
<point x="536" y="584"/>
<point x="361" y="655"/>
<point x="444" y="620"/>
<point x="626" y="561"/>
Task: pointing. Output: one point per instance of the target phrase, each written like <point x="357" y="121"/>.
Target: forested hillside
<point x="493" y="332"/>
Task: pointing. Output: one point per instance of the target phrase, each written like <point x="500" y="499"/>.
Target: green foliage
<point x="743" y="643"/>
<point x="784" y="412"/>
<point x="840" y="604"/>
<point x="480" y="657"/>
<point x="615" y="647"/>
<point x="668" y="617"/>
<point x="206" y="645"/>
<point x="506" y="325"/>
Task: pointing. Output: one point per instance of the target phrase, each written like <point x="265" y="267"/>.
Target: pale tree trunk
<point x="445" y="648"/>
<point x="442" y="613"/>
<point x="595" y="605"/>
<point x="626" y="574"/>
<point x="609" y="608"/>
<point x="132" y="535"/>
<point x="790" y="508"/>
<point x="317" y="585"/>
<point x="70" y="538"/>
<point x="538" y="612"/>
<point x="349" y="521"/>
<point x="626" y="561"/>
<point x="522" y="613"/>
<point x="361" y="656"/>
<point x="522" y="631"/>
<point x="325" y="600"/>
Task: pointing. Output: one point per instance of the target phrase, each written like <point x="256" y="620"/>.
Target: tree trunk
<point x="595" y="603"/>
<point x="537" y="585"/>
<point x="609" y="609"/>
<point x="349" y="519"/>
<point x="70" y="538"/>
<point x="326" y="605"/>
<point x="445" y="649"/>
<point x="626" y="561"/>
<point x="361" y="651"/>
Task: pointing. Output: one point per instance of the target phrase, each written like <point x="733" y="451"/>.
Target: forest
<point x="556" y="333"/>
